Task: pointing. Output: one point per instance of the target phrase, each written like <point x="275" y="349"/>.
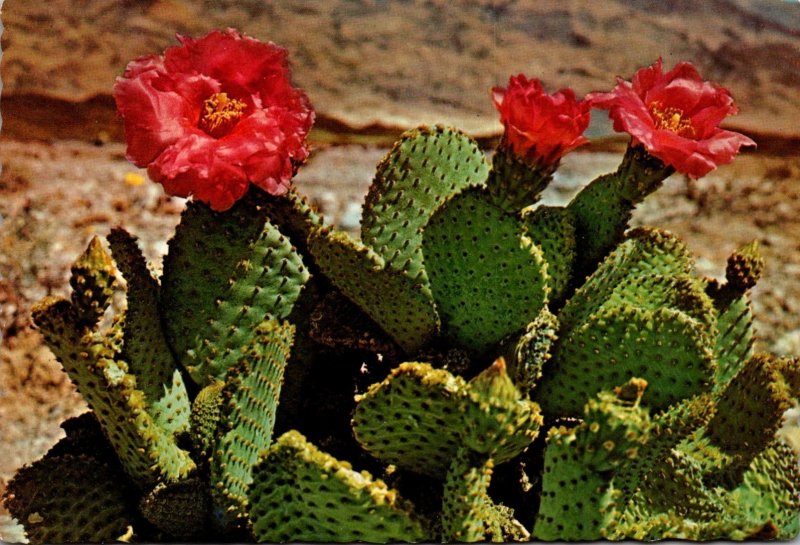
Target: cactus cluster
<point x="521" y="372"/>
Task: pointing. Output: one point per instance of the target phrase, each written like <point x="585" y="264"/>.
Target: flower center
<point x="671" y="119"/>
<point x="220" y="114"/>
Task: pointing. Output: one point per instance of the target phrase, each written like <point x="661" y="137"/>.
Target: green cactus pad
<point x="250" y="401"/>
<point x="400" y="305"/>
<point x="418" y="417"/>
<point x="744" y="268"/>
<point x="602" y="209"/>
<point x="665" y="347"/>
<point x="676" y="484"/>
<point x="646" y="251"/>
<point x="735" y="340"/>
<point x="92" y="282"/>
<point x="266" y="285"/>
<point x="419" y="173"/>
<point x="551" y="229"/>
<point x="750" y="410"/>
<point x="498" y="421"/>
<point x="467" y="514"/>
<point x="207" y="248"/>
<point x="144" y="348"/>
<point x="180" y="510"/>
<point x="225" y="273"/>
<point x="640" y="314"/>
<point x="302" y="494"/>
<point x="763" y="506"/>
<point x="488" y="279"/>
<point x="770" y="490"/>
<point x="147" y="451"/>
<point x="668" y="428"/>
<point x="205" y="418"/>
<point x="71" y="498"/>
<point x="575" y="501"/>
<point x="295" y="216"/>
<point x="412" y="418"/>
<point x="577" y="496"/>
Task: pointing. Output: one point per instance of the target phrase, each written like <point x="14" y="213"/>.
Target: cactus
<point x="483" y="335"/>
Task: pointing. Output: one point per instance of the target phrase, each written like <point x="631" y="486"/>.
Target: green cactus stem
<point x="515" y="184"/>
<point x="602" y="210"/>
<point x="302" y="494"/>
<point x="467" y="510"/>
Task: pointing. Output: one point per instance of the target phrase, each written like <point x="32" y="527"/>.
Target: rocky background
<point x="371" y="68"/>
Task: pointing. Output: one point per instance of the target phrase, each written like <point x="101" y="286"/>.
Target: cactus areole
<point x="523" y="372"/>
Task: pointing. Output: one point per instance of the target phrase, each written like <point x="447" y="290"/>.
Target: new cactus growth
<point x="495" y="333"/>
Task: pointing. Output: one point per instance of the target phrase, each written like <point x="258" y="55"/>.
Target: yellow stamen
<point x="671" y="119"/>
<point x="220" y="114"/>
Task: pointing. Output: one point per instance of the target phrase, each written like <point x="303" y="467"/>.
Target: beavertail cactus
<point x="520" y="371"/>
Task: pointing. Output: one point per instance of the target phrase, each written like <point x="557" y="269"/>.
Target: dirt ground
<point x="54" y="197"/>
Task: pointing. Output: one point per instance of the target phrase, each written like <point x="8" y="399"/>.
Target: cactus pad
<point x="744" y="268"/>
<point x="577" y="495"/>
<point x="92" y="282"/>
<point x="250" y="401"/>
<point x="210" y="308"/>
<point x="498" y="421"/>
<point x="302" y="494"/>
<point x="467" y="508"/>
<point x="640" y="314"/>
<point x="488" y="279"/>
<point x="632" y="342"/>
<point x="84" y="500"/>
<point x="400" y="305"/>
<point x="551" y="229"/>
<point x="419" y="417"/>
<point x="180" y="510"/>
<point x="412" y="418"/>
<point x="147" y="451"/>
<point x="144" y="347"/>
<point x="419" y="173"/>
